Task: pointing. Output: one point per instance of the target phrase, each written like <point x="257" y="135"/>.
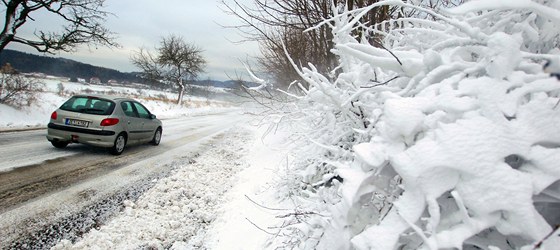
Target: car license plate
<point x="78" y="123"/>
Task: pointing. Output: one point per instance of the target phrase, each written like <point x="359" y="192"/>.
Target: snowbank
<point x="253" y="203"/>
<point x="178" y="210"/>
<point x="225" y="194"/>
<point x="451" y="141"/>
<point x="30" y="117"/>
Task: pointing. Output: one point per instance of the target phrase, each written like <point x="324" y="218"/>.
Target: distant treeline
<point x="29" y="63"/>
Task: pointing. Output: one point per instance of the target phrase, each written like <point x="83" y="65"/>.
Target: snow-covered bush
<point x="446" y="136"/>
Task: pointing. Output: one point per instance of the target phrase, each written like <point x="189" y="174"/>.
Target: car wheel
<point x="59" y="144"/>
<point x="120" y="143"/>
<point x="157" y="137"/>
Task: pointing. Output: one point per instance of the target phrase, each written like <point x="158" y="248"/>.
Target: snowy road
<point x="43" y="186"/>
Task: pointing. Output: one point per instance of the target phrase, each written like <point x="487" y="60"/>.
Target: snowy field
<point x="158" y="102"/>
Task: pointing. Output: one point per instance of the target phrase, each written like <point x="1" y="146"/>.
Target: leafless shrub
<point x="112" y="92"/>
<point x="18" y="91"/>
<point x="60" y="89"/>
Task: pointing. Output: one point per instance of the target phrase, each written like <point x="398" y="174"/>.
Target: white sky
<point x="142" y="23"/>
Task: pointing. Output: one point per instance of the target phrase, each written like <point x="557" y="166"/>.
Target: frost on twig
<point x="553" y="233"/>
<point x="465" y="92"/>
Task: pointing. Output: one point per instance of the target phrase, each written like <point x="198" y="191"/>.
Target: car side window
<point x="128" y="109"/>
<point x="142" y="111"/>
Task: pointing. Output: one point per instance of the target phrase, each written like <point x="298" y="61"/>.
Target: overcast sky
<point x="142" y="23"/>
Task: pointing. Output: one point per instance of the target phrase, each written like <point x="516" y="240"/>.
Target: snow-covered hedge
<point x="446" y="137"/>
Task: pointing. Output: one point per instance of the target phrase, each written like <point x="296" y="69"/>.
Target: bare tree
<point x="274" y="60"/>
<point x="174" y="62"/>
<point x="293" y="26"/>
<point x="83" y="24"/>
<point x="279" y="24"/>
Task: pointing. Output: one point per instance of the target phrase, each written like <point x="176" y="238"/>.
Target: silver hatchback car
<point x="103" y="121"/>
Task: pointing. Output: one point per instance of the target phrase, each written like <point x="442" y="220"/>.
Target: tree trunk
<point x="4" y="40"/>
<point x="8" y="30"/>
<point x="181" y="92"/>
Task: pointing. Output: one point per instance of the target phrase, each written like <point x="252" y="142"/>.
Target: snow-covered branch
<point x="460" y="95"/>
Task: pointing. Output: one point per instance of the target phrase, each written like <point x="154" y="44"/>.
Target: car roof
<point x="108" y="97"/>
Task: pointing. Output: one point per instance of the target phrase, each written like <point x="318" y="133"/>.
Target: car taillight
<point x="109" y="121"/>
<point x="54" y="115"/>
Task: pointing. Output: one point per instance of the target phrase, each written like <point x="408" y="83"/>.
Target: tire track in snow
<point x="35" y="225"/>
<point x="180" y="205"/>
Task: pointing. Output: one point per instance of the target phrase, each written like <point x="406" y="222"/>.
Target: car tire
<point x="120" y="143"/>
<point x="157" y="137"/>
<point x="59" y="144"/>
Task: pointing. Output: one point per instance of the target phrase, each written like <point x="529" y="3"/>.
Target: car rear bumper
<point x="92" y="137"/>
<point x="80" y="130"/>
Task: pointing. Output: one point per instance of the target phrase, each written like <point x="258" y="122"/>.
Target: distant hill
<point x="58" y="66"/>
<point x="28" y="63"/>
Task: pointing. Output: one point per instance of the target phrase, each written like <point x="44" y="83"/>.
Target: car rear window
<point x="89" y="105"/>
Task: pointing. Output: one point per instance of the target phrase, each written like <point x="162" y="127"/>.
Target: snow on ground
<point x="254" y="201"/>
<point x="35" y="116"/>
<point x="158" y="102"/>
<point x="209" y="202"/>
<point x="202" y="205"/>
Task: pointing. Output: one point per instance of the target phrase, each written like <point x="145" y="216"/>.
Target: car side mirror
<point x="152" y="116"/>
